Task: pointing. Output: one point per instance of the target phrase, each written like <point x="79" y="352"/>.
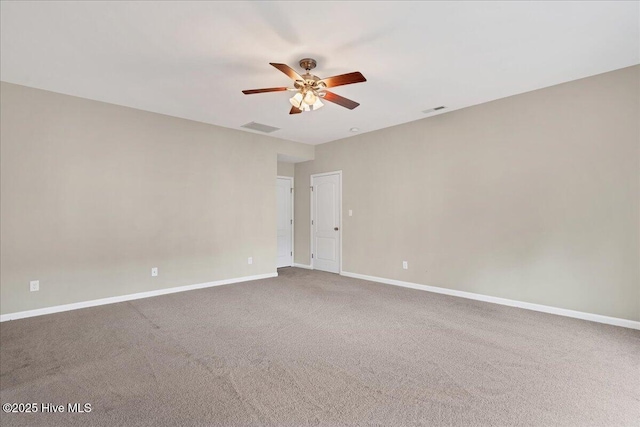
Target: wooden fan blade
<point x="340" y="100"/>
<point x="295" y="110"/>
<point x="287" y="70"/>
<point x="270" y="89"/>
<point x="344" y="79"/>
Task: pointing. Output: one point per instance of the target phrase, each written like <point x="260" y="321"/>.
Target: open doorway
<point x="284" y="198"/>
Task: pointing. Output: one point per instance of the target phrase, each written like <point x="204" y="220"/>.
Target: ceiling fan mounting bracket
<point x="308" y="63"/>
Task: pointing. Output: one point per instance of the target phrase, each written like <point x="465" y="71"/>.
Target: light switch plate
<point x="250" y="260"/>
<point x="34" y="285"/>
<point x="350" y="212"/>
<point x="405" y="265"/>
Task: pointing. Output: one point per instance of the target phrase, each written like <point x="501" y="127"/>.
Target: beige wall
<point x="286" y="169"/>
<point x="533" y="198"/>
<point x="94" y="195"/>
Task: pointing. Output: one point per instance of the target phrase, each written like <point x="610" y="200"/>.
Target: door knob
<point x="335" y="228"/>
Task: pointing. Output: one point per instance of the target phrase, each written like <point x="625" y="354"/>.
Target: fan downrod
<point x="308" y="63"/>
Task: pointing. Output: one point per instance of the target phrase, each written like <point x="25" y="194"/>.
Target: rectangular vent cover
<point x="260" y="127"/>
<point x="431" y="110"/>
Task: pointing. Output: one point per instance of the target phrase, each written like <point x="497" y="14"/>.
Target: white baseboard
<point x="130" y="297"/>
<point x="306" y="266"/>
<point x="625" y="323"/>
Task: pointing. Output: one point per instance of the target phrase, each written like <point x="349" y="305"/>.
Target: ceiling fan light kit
<point x="306" y="101"/>
<point x="310" y="89"/>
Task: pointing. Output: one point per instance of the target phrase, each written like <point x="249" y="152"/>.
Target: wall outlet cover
<point x="250" y="260"/>
<point x="405" y="265"/>
<point x="154" y="271"/>
<point x="34" y="285"/>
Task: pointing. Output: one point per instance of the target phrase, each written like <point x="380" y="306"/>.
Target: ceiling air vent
<point x="431" y="110"/>
<point x="260" y="127"/>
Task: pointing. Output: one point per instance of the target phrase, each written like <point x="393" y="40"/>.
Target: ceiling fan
<point x="310" y="89"/>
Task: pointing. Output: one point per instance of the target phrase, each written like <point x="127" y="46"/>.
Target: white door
<point x="285" y="222"/>
<point x="325" y="217"/>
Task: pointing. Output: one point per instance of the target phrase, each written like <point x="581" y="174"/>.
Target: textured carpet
<point x="313" y="348"/>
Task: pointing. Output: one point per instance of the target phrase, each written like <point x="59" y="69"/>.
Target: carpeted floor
<point x="313" y="348"/>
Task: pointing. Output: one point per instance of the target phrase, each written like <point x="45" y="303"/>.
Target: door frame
<point x="293" y="222"/>
<point x="312" y="243"/>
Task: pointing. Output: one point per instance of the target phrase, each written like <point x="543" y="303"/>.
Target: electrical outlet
<point x="405" y="265"/>
<point x="350" y="212"/>
<point x="154" y="271"/>
<point x="250" y="260"/>
<point x="34" y="285"/>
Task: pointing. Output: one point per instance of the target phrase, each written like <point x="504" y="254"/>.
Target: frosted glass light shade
<point x="296" y="100"/>
<point x="317" y="104"/>
<point x="310" y="98"/>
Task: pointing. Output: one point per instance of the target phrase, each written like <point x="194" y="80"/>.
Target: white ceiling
<point x="192" y="59"/>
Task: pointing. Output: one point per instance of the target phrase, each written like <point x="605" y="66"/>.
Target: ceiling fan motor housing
<point x="309" y="82"/>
